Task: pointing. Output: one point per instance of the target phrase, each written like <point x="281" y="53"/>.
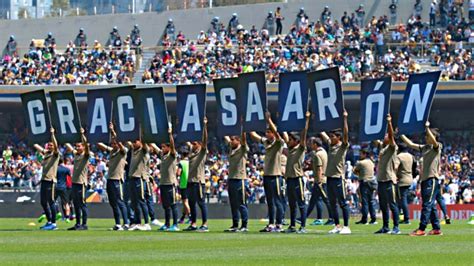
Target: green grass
<point x="23" y="244"/>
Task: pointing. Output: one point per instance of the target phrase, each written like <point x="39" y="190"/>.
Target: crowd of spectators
<point x="78" y="63"/>
<point x="21" y="165"/>
<point x="361" y="47"/>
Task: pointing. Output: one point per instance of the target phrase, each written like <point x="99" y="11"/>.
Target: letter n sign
<point x="417" y="101"/>
<point x="37" y="116"/>
<point x="327" y="100"/>
<point x="375" y="105"/>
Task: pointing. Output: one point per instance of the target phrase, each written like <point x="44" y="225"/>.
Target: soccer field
<point x="24" y="244"/>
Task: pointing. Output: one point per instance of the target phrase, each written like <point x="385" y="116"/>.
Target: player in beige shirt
<point x="364" y="170"/>
<point x="429" y="175"/>
<point x="405" y="173"/>
<point x="196" y="182"/>
<point x="319" y="192"/>
<point x="272" y="179"/>
<point x="138" y="173"/>
<point x="387" y="179"/>
<point x="48" y="180"/>
<point x="338" y="146"/>
<point x="115" y="178"/>
<point x="294" y="176"/>
<point x="82" y="154"/>
<point x="238" y="156"/>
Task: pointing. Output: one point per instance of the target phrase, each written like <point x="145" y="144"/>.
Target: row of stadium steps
<point x="147" y="55"/>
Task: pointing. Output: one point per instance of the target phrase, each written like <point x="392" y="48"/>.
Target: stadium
<point x="237" y="131"/>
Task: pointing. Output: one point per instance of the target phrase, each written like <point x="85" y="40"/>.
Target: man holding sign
<point x="294" y="176"/>
<point x="82" y="155"/>
<point x="338" y="146"/>
<point x="48" y="180"/>
<point x="272" y="179"/>
<point x="117" y="161"/>
<point x="387" y="180"/>
<point x="429" y="180"/>
<point x="196" y="182"/>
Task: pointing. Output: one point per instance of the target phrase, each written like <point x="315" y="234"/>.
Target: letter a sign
<point x="417" y="101"/>
<point x="327" y="101"/>
<point x="375" y="105"/>
<point x="37" y="114"/>
<point x="190" y="107"/>
<point x="292" y="101"/>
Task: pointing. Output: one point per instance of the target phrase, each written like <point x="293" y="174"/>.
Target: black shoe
<point x="75" y="228"/>
<point x="289" y="230"/>
<point x="243" y="229"/>
<point x="329" y="222"/>
<point x="361" y="222"/>
<point x="448" y="220"/>
<point x="383" y="231"/>
<point x="232" y="230"/>
<point x="191" y="228"/>
<point x="267" y="229"/>
<point x="372" y="222"/>
<point x="84" y="227"/>
<point x="404" y="222"/>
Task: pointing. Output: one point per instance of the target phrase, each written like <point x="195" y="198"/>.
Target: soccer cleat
<point x="50" y="227"/>
<point x="317" y="222"/>
<point x="383" y="230"/>
<point x="163" y="228"/>
<point x="418" y="232"/>
<point x="243" y="229"/>
<point x="191" y="228"/>
<point x="329" y="222"/>
<point x="203" y="229"/>
<point x="59" y="215"/>
<point x="435" y="232"/>
<point x="284" y="222"/>
<point x="145" y="227"/>
<point x="67" y="220"/>
<point x="373" y="222"/>
<point x="395" y="231"/>
<point x="134" y="227"/>
<point x="448" y="220"/>
<point x="289" y="230"/>
<point x="174" y="228"/>
<point x="126" y="227"/>
<point x="41" y="218"/>
<point x="345" y="231"/>
<point x="298" y="220"/>
<point x="404" y="222"/>
<point x="267" y="229"/>
<point x="231" y="230"/>
<point x="277" y="229"/>
<point x="156" y="222"/>
<point x="84" y="227"/>
<point x="302" y="230"/>
<point x="74" y="228"/>
<point x="117" y="227"/>
<point x="45" y="225"/>
<point x="335" y="230"/>
<point x="361" y="222"/>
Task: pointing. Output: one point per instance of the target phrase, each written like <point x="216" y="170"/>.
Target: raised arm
<point x="391" y="137"/>
<point x="227" y="140"/>
<point x="285" y="137"/>
<point x="410" y="143"/>
<point x="430" y="136"/>
<point x="84" y="142"/>
<point x="204" y="134"/>
<point x="304" y="133"/>
<point x="39" y="148"/>
<point x="54" y="141"/>
<point x="255" y="137"/>
<point x="153" y="147"/>
<point x="243" y="139"/>
<point x="69" y="148"/>
<point x="172" y="145"/>
<point x="103" y="147"/>
<point x="345" y="138"/>
<point x="272" y="125"/>
<point x="324" y="136"/>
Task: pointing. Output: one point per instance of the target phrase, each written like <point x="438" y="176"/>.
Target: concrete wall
<point x="189" y="21"/>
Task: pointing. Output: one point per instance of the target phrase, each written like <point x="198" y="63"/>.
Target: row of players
<point x="328" y="169"/>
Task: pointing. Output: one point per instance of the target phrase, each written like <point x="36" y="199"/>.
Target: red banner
<point x="455" y="211"/>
